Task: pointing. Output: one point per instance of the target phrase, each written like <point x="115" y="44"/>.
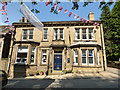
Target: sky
<point x="14" y="14"/>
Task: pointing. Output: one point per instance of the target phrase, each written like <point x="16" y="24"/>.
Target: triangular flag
<point x="81" y="18"/>
<point x="78" y="17"/>
<point x="47" y="3"/>
<point x="60" y="9"/>
<point x="66" y="10"/>
<point x="70" y="14"/>
<point x="55" y="6"/>
<point x="87" y="21"/>
<point x="74" y="15"/>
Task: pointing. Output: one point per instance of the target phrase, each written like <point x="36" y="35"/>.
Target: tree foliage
<point x="111" y="26"/>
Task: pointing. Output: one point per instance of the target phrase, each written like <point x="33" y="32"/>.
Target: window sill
<point x="58" y="40"/>
<point x="85" y="40"/>
<point x="43" y="64"/>
<point x="44" y="41"/>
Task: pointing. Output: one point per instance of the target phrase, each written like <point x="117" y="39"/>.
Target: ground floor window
<point x="75" y="57"/>
<point x="90" y="56"/>
<point x="22" y="55"/>
<point x="87" y="55"/>
<point x="84" y="57"/>
<point x="44" y="56"/>
<point x="32" y="55"/>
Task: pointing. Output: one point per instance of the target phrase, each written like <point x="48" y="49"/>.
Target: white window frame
<point x="29" y="34"/>
<point x="77" y="34"/>
<point x="93" y="37"/>
<point x="23" y="34"/>
<point x="19" y="58"/>
<point x="45" y="33"/>
<point x="91" y="56"/>
<point x="84" y="56"/>
<point x="34" y="55"/>
<point x="86" y="34"/>
<point x="60" y="33"/>
<point x="75" y="63"/>
<point x="42" y="57"/>
<point x="55" y="33"/>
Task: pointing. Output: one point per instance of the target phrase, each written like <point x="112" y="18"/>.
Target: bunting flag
<point x="55" y="6"/>
<point x="66" y="10"/>
<point x="60" y="9"/>
<point x="70" y="14"/>
<point x="74" y="15"/>
<point x="81" y="18"/>
<point x="87" y="21"/>
<point x="4" y="12"/>
<point x="78" y="17"/>
<point x="47" y="3"/>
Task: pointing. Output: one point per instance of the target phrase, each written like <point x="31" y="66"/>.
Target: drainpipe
<point x="103" y="48"/>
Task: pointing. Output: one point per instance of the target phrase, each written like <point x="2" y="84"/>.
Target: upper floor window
<point x="84" y="33"/>
<point x="27" y="34"/>
<point x="75" y="57"/>
<point x="45" y="34"/>
<point x="30" y="35"/>
<point x="77" y="33"/>
<point x="91" y="33"/>
<point x="22" y="55"/>
<point x="58" y="34"/>
<point x="61" y="33"/>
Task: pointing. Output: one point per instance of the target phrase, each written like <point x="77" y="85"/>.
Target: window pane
<point x="61" y="30"/>
<point x="24" y="31"/>
<point x="22" y="54"/>
<point x="90" y="60"/>
<point x="90" y="52"/>
<point x="30" y="31"/>
<point x="32" y="55"/>
<point x="83" y="59"/>
<point x="24" y="37"/>
<point x="61" y="36"/>
<point x="91" y="34"/>
<point x="83" y="52"/>
<point x="76" y="59"/>
<point x="30" y="36"/>
<point x="76" y="52"/>
<point x="83" y="30"/>
<point x="84" y="36"/>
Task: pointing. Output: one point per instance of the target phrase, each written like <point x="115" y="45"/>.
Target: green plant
<point x="41" y="71"/>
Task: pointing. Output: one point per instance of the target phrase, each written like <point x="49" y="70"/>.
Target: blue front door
<point x="57" y="62"/>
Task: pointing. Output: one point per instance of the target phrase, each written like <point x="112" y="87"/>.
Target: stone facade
<point x="47" y="51"/>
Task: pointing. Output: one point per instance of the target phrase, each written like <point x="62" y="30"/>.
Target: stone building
<point x="60" y="46"/>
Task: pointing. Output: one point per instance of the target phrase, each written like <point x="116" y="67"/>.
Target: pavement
<point x="105" y="79"/>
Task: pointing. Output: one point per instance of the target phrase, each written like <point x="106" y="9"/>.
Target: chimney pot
<point x="91" y="16"/>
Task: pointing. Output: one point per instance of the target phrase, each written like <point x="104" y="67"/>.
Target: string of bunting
<point x="4" y="12"/>
<point x="70" y="13"/>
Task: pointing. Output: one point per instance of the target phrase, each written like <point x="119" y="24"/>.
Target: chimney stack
<point x="23" y="20"/>
<point x="91" y="16"/>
